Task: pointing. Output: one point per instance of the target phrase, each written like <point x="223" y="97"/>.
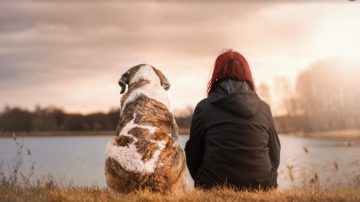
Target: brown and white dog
<point x="145" y="152"/>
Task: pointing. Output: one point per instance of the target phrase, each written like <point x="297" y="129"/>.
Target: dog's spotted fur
<point x="145" y="152"/>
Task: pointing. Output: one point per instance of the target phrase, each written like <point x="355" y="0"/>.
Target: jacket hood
<point x="236" y="97"/>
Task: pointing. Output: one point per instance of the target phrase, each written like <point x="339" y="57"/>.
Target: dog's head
<point x="144" y="72"/>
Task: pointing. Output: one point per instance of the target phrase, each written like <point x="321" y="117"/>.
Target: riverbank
<point x="96" y="194"/>
<point x="182" y="131"/>
<point x="58" y="133"/>
<point x="349" y="134"/>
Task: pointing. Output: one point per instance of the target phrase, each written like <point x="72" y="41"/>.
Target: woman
<point x="233" y="141"/>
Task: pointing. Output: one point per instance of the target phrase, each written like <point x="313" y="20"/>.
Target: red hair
<point x="231" y="64"/>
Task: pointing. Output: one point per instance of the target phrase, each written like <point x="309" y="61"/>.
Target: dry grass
<point x="96" y="194"/>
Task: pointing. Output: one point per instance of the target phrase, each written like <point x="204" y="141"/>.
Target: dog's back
<point x="145" y="153"/>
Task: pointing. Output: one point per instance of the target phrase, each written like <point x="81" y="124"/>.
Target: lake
<point x="80" y="160"/>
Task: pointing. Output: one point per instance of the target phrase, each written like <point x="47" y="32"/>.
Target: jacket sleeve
<point x="274" y="145"/>
<point x="194" y="148"/>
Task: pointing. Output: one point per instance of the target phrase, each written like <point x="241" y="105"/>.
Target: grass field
<point x="17" y="187"/>
<point x="220" y="194"/>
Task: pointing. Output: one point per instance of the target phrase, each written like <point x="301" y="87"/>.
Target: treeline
<point x="55" y="119"/>
<point x="326" y="97"/>
<point x="13" y="119"/>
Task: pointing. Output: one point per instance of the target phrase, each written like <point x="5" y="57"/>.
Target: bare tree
<point x="264" y="92"/>
<point x="285" y="91"/>
<point x="328" y="96"/>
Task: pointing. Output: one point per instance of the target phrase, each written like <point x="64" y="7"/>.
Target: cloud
<point x="62" y="49"/>
<point x="67" y="36"/>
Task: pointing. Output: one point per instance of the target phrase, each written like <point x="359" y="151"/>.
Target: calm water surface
<point x="80" y="160"/>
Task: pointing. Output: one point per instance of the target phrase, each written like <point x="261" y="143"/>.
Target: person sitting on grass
<point x="233" y="141"/>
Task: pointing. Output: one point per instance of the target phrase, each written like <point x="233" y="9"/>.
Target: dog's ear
<point x="123" y="81"/>
<point x="164" y="81"/>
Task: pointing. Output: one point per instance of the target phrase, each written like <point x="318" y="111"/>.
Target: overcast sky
<point x="71" y="54"/>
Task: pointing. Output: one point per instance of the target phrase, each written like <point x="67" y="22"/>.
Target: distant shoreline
<point x="59" y="133"/>
<point x="336" y="134"/>
<point x="182" y="131"/>
<point x="346" y="134"/>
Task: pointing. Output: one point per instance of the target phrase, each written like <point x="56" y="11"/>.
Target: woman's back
<point x="236" y="126"/>
<point x="232" y="137"/>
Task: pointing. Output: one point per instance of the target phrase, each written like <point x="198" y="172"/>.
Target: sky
<point x="70" y="54"/>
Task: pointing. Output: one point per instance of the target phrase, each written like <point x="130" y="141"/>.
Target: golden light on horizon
<point x="61" y="59"/>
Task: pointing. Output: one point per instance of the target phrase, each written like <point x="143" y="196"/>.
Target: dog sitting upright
<point x="145" y="152"/>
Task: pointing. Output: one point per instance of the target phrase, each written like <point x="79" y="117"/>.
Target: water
<point x="80" y="160"/>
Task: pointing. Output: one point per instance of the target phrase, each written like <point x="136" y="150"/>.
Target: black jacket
<point x="233" y="140"/>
